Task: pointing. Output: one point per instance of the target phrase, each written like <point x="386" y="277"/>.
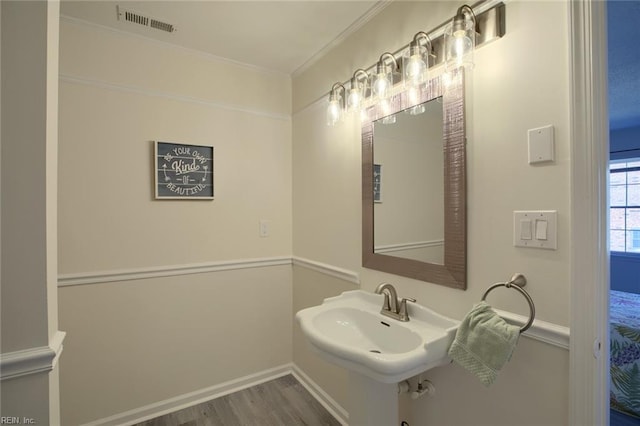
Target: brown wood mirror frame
<point x="453" y="272"/>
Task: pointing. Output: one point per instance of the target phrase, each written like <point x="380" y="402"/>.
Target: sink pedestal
<point x="371" y="402"/>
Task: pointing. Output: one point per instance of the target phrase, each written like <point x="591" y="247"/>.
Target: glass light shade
<point x="459" y="39"/>
<point x="334" y="111"/>
<point x="413" y="95"/>
<point x="354" y="100"/>
<point x="415" y="67"/>
<point x="382" y="85"/>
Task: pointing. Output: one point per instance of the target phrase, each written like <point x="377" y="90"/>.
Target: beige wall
<point x="310" y="290"/>
<point x="519" y="82"/>
<point x="118" y="94"/>
<point x="134" y="342"/>
<point x="29" y="311"/>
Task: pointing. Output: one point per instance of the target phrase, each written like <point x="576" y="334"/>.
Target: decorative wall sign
<point x="183" y="171"/>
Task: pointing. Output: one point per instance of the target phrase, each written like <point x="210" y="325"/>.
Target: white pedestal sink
<point x="348" y="330"/>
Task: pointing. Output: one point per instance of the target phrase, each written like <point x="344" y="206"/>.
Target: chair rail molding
<point x="65" y="280"/>
<point x="33" y="360"/>
<point x="546" y="332"/>
<point x="324" y="268"/>
<point x="543" y="331"/>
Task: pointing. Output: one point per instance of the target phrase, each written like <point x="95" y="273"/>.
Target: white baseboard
<point x="193" y="398"/>
<point x="190" y="399"/>
<point x="321" y="396"/>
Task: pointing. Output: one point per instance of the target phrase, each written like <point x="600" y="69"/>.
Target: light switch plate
<point x="541" y="145"/>
<point x="265" y="226"/>
<point x="548" y="218"/>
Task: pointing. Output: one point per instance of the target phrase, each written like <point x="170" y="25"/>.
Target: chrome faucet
<point x="390" y="306"/>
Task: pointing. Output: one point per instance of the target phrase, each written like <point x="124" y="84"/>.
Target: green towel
<point x="484" y="343"/>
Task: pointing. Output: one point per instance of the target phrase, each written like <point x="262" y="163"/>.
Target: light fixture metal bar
<point x="490" y="26"/>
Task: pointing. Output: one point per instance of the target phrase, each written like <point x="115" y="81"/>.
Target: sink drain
<point x="375" y="351"/>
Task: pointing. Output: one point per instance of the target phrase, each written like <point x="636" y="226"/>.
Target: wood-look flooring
<point x="283" y="401"/>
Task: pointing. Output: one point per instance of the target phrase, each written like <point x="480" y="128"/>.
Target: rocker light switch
<point x="541" y="229"/>
<point x="535" y="229"/>
<point x="525" y="229"/>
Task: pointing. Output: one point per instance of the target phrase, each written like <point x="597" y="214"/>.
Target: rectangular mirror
<point x="414" y="184"/>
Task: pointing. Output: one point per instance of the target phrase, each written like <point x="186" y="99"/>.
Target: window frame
<point x="635" y="232"/>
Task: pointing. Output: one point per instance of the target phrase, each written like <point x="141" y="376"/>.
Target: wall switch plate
<point x="541" y="145"/>
<point x="265" y="226"/>
<point x="536" y="229"/>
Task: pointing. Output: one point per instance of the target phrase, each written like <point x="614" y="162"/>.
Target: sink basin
<point x="349" y="330"/>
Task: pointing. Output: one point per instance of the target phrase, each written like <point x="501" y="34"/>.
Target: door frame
<point x="589" y="343"/>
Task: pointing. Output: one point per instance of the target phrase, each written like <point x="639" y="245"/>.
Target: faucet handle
<point x="403" y="303"/>
<point x="402" y="312"/>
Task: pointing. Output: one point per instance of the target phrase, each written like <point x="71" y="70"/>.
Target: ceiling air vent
<point x="140" y="19"/>
<point x="159" y="25"/>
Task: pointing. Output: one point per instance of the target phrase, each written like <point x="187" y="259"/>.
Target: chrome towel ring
<point x="517" y="281"/>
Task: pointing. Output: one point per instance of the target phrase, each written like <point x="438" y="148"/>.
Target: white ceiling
<point x="277" y="35"/>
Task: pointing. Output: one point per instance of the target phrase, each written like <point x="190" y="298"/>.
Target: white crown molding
<point x="174" y="97"/>
<point x="65" y="280"/>
<point x="31" y="361"/>
<point x="334" y="271"/>
<point x="180" y="402"/>
<point x="166" y="44"/>
<point x="355" y="26"/>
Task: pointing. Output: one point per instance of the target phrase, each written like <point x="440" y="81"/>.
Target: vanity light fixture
<point x="460" y="39"/>
<point x="416" y="63"/>
<point x="383" y="79"/>
<point x="336" y="105"/>
<point x="357" y="91"/>
<point x="450" y="44"/>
